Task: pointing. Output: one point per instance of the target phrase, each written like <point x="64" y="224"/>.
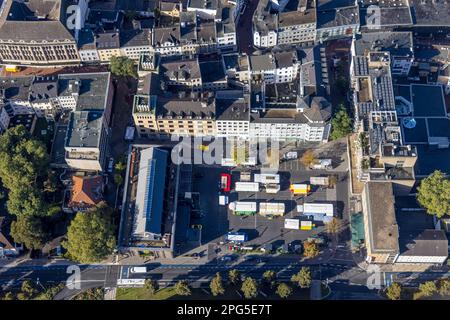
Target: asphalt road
<point x="244" y="28"/>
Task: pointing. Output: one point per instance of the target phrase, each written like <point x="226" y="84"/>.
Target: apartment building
<point x="170" y="8"/>
<point x="108" y="45"/>
<point x="34" y="33"/>
<point x="335" y="23"/>
<point x="236" y="67"/>
<point x="134" y="42"/>
<point x="232" y="114"/>
<point x="276" y="67"/>
<point x="295" y="27"/>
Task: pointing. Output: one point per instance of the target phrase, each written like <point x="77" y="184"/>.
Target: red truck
<point x="225" y="182"/>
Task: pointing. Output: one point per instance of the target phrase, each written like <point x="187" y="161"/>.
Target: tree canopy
<point x="122" y="66"/>
<point x="249" y="288"/>
<point x="303" y="278"/>
<point x="341" y="124"/>
<point x="90" y="236"/>
<point x="182" y="288"/>
<point x="434" y="194"/>
<point x="284" y="290"/>
<point x="216" y="285"/>
<point x="311" y="249"/>
<point x="29" y="231"/>
<point x="23" y="171"/>
<point x="394" y="291"/>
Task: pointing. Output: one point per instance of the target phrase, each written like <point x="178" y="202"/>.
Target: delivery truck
<point x="293" y="224"/>
<point x="247" y="186"/>
<point x="298" y="188"/>
<point x="237" y="237"/>
<point x="307" y="225"/>
<point x="271" y="209"/>
<point x="243" y="208"/>
<point x="266" y="178"/>
<point x="272" y="188"/>
<point x="320" y="208"/>
<point x="223" y="200"/>
<point x="319" y="181"/>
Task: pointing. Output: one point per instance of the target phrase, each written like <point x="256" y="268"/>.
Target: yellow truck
<point x="12" y="68"/>
<point x="299" y="188"/>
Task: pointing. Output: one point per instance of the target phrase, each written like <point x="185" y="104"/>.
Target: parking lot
<point x="218" y="220"/>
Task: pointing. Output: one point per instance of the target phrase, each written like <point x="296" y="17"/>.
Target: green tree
<point x="283" y="290"/>
<point x="29" y="231"/>
<point x="23" y="170"/>
<point x="333" y="226"/>
<point x="308" y="158"/>
<point x="151" y="286"/>
<point x="120" y="166"/>
<point x="8" y="296"/>
<point x="234" y="276"/>
<point x="118" y="179"/>
<point x="269" y="277"/>
<point x="341" y="124"/>
<point x="427" y="289"/>
<point x="311" y="249"/>
<point x="303" y="278"/>
<point x="434" y="194"/>
<point x="249" y="288"/>
<point x="28" y="288"/>
<point x="394" y="291"/>
<point x="444" y="287"/>
<point x="90" y="236"/>
<point x="122" y="66"/>
<point x="182" y="288"/>
<point x="216" y="285"/>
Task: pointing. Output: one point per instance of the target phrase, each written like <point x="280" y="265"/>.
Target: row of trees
<point x="248" y="286"/>
<point x="427" y="289"/>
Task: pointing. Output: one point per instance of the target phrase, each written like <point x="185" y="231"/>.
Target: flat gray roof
<point x="84" y="129"/>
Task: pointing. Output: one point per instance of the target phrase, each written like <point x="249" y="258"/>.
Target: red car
<point x="225" y="182"/>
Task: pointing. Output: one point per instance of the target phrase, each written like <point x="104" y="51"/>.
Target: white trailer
<point x="271" y="209"/>
<point x="293" y="224"/>
<point x="319" y="181"/>
<point x="247" y="186"/>
<point x="267" y="178"/>
<point x="138" y="269"/>
<point x="318" y="208"/>
<point x="272" y="188"/>
<point x="243" y="207"/>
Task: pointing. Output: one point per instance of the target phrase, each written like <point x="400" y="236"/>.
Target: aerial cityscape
<point x="242" y="150"/>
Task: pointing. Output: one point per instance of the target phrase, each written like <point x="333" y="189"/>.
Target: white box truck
<point x="138" y="269"/>
<point x="319" y="181"/>
<point x="293" y="224"/>
<point x="272" y="188"/>
<point x="322" y="164"/>
<point x="223" y="200"/>
<point x="243" y="207"/>
<point x="318" y="208"/>
<point x="247" y="186"/>
<point x="266" y="178"/>
<point x="271" y="209"/>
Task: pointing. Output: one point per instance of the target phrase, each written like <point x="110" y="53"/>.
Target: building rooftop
<point x="204" y="4"/>
<point x="149" y="203"/>
<point x="86" y="191"/>
<point x="107" y="40"/>
<point x="167" y="34"/>
<point x="231" y="105"/>
<point x="338" y="17"/>
<point x="185" y="107"/>
<point x="24" y="21"/>
<point x="383" y="228"/>
<point x="135" y="38"/>
<point x="212" y="71"/>
<point x="84" y="129"/>
<point x="91" y="88"/>
<point x="43" y="89"/>
<point x="430" y="12"/>
<point x="262" y="62"/>
<point x="396" y="43"/>
<point x="15" y="88"/>
<point x="180" y="70"/>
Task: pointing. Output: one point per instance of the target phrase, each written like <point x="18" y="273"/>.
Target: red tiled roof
<point x="86" y="191"/>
